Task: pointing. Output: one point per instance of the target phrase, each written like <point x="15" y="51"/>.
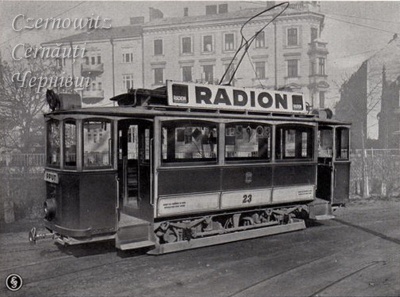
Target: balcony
<point x="318" y="47"/>
<point x="92" y="97"/>
<point x="92" y="70"/>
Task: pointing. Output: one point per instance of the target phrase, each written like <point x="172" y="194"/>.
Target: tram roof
<point x="156" y="111"/>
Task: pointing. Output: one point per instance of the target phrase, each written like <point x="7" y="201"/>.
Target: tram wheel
<point x="247" y="221"/>
<point x="170" y="236"/>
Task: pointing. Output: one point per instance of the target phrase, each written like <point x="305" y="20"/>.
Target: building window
<point x="321" y="66"/>
<point x="186" y="45"/>
<point x="260" y="40"/>
<point x="187" y="73"/>
<point x="158" y="47"/>
<point x="312" y="67"/>
<point x="158" y="76"/>
<point x="211" y="9"/>
<point x="99" y="86"/>
<point x="229" y="42"/>
<point x="207" y="44"/>
<point x="94" y="59"/>
<point x="321" y="99"/>
<point x="260" y="70"/>
<point x="208" y="71"/>
<point x="60" y="62"/>
<point x="293" y="68"/>
<point x="292" y="38"/>
<point x="314" y="34"/>
<point x="127" y="57"/>
<point x="127" y="81"/>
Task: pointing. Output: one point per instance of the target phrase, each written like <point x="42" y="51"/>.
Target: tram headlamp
<point x="49" y="208"/>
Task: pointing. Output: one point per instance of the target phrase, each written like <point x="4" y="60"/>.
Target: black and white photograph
<point x="200" y="148"/>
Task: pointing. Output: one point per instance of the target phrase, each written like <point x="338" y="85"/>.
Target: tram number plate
<point x="51" y="177"/>
<point x="247" y="198"/>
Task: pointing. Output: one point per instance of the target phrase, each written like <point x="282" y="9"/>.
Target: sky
<point x="354" y="30"/>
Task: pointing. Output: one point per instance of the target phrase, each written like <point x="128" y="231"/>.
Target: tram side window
<point x="294" y="142"/>
<point x="97" y="144"/>
<point x="53" y="143"/>
<point x="342" y="143"/>
<point x="70" y="143"/>
<point x="244" y="141"/>
<point x="189" y="142"/>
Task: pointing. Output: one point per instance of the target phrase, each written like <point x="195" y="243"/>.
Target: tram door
<point x="333" y="164"/>
<point x="134" y="154"/>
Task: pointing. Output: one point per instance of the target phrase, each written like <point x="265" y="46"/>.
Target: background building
<point x="389" y="116"/>
<point x="112" y="61"/>
<point x="363" y="97"/>
<point x="287" y="54"/>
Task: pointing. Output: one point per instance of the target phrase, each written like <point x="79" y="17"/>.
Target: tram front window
<point x="53" y="143"/>
<point x="189" y="141"/>
<point x="245" y="141"/>
<point x="97" y="144"/>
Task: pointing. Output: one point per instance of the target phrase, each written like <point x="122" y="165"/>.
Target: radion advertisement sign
<point x="195" y="95"/>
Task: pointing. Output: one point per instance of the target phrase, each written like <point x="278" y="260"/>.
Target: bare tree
<point x="357" y="101"/>
<point x="22" y="101"/>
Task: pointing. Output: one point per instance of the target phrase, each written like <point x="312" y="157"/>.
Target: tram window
<point x="325" y="143"/>
<point x="294" y="142"/>
<point x="244" y="141"/>
<point x="70" y="143"/>
<point x="189" y="142"/>
<point x="97" y="144"/>
<point x="53" y="143"/>
<point x="342" y="143"/>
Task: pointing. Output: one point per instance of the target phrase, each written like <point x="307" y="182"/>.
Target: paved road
<point x="357" y="254"/>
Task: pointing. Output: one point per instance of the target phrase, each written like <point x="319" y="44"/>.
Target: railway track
<point x="82" y="262"/>
<point x="247" y="291"/>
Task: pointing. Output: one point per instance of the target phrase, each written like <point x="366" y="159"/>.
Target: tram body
<point x="191" y="165"/>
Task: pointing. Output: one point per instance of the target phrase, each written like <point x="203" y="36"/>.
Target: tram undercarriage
<point x="180" y="234"/>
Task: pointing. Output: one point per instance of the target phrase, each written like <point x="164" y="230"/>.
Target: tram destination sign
<point x="196" y="95"/>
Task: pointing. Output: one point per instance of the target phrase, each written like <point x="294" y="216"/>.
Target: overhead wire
<point x="360" y="25"/>
<point x="246" y="43"/>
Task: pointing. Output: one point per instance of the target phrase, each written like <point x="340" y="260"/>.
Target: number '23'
<point x="247" y="198"/>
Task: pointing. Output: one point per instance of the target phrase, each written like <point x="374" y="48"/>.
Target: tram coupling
<point x="34" y="236"/>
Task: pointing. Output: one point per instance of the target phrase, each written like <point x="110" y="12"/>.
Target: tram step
<point x="320" y="210"/>
<point x="132" y="233"/>
<point x="136" y="245"/>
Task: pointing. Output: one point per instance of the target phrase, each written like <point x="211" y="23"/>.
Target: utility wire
<point x="363" y="18"/>
<point x="360" y="25"/>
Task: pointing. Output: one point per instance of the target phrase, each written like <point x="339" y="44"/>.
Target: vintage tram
<point x="191" y="165"/>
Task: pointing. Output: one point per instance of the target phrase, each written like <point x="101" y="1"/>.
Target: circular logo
<point x="14" y="282"/>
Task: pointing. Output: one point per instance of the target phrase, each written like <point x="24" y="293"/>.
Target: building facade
<point x="364" y="99"/>
<point x="286" y="54"/>
<point x="389" y="116"/>
<point x="112" y="62"/>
